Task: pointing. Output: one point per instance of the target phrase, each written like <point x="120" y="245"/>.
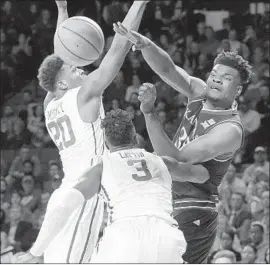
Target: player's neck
<point x="215" y="105"/>
<point x="123" y="147"/>
<point x="60" y="93"/>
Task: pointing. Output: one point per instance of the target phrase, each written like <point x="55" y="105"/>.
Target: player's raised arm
<point x="163" y="65"/>
<point x="100" y="79"/>
<point x="182" y="172"/>
<point x="61" y="17"/>
<point x="62" y="11"/>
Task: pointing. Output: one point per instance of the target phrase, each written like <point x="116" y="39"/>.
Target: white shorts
<point x="140" y="240"/>
<point x="78" y="238"/>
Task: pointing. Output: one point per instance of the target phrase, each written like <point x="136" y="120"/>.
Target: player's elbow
<point x="200" y="174"/>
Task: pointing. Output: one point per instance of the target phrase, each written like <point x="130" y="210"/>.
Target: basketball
<point x="79" y="41"/>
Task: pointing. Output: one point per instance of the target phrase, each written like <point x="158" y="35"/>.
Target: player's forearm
<point x="191" y="173"/>
<point x="62" y="14"/>
<point x="162" y="64"/>
<point x="132" y="21"/>
<point x="161" y="143"/>
<point x="60" y="207"/>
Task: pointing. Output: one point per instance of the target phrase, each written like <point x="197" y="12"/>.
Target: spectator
<point x="7" y="251"/>
<point x="257" y="239"/>
<point x="232" y="182"/>
<point x="134" y="88"/>
<point x="16" y="229"/>
<point x="7" y="123"/>
<point x="250" y="118"/>
<point x="265" y="215"/>
<point x="41" y="139"/>
<point x="200" y="33"/>
<point x="260" y="163"/>
<point x="17" y="164"/>
<point x="224" y="256"/>
<point x="36" y="119"/>
<point x="211" y="44"/>
<point x="54" y="177"/>
<point x="4" y="195"/>
<point x="249" y="254"/>
<point x="31" y="195"/>
<point x="21" y="136"/>
<point x="2" y="218"/>
<point x="239" y="218"/>
<point x="227" y="239"/>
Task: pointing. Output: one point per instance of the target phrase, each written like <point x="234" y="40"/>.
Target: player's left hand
<point x="25" y="257"/>
<point x="147" y="96"/>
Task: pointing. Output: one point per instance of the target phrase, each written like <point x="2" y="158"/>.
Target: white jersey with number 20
<point x="79" y="143"/>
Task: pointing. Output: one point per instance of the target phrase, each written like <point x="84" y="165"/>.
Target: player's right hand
<point x="61" y="3"/>
<point x="134" y="37"/>
<point x="147" y="96"/>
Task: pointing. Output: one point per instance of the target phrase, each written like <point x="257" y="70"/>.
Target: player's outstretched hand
<point x="61" y="3"/>
<point x="25" y="257"/>
<point x="147" y="96"/>
<point x="134" y="37"/>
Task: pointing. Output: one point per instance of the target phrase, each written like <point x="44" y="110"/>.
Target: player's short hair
<point x="48" y="71"/>
<point x="234" y="60"/>
<point x="118" y="127"/>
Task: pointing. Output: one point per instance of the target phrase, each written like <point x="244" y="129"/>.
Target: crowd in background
<point x="28" y="173"/>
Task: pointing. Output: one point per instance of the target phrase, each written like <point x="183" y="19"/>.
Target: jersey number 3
<point x="143" y="171"/>
<point x="62" y="132"/>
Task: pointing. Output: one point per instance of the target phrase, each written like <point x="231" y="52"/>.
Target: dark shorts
<point x="199" y="227"/>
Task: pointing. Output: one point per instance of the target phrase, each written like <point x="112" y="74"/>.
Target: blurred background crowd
<point x="192" y="32"/>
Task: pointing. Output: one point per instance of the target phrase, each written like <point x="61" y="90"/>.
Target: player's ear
<point x="62" y="85"/>
<point x="239" y="90"/>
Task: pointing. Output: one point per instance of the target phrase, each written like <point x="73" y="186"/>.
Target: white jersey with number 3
<point x="137" y="183"/>
<point x="79" y="143"/>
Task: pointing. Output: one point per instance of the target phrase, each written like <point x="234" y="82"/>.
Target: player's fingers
<point x="118" y="30"/>
<point x="123" y="28"/>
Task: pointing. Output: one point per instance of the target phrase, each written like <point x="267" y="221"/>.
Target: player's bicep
<point x="101" y="78"/>
<point x="90" y="183"/>
<point x="182" y="172"/>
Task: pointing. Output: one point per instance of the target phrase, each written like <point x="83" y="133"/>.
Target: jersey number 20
<point x="143" y="172"/>
<point x="62" y="132"/>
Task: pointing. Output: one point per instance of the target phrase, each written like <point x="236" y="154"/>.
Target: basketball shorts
<point x="199" y="227"/>
<point x="77" y="239"/>
<point x="140" y="240"/>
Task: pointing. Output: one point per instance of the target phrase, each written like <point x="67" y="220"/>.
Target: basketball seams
<point x="98" y="29"/>
<point x="83" y="39"/>
<point x="69" y="49"/>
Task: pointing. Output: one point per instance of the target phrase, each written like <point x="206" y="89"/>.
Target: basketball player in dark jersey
<point x="210" y="133"/>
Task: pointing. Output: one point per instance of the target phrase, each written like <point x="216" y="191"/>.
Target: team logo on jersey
<point x="206" y="124"/>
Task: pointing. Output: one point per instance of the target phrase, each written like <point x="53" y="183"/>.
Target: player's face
<point x="71" y="75"/>
<point x="224" y="84"/>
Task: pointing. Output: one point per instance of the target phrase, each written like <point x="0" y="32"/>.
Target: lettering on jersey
<point x="206" y="124"/>
<point x="53" y="113"/>
<point x="188" y="127"/>
<point x="131" y="155"/>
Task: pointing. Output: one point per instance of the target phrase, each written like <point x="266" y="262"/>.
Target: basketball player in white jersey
<point x="137" y="185"/>
<point x="73" y="111"/>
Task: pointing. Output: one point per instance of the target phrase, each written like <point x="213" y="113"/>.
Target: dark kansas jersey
<point x="196" y="122"/>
